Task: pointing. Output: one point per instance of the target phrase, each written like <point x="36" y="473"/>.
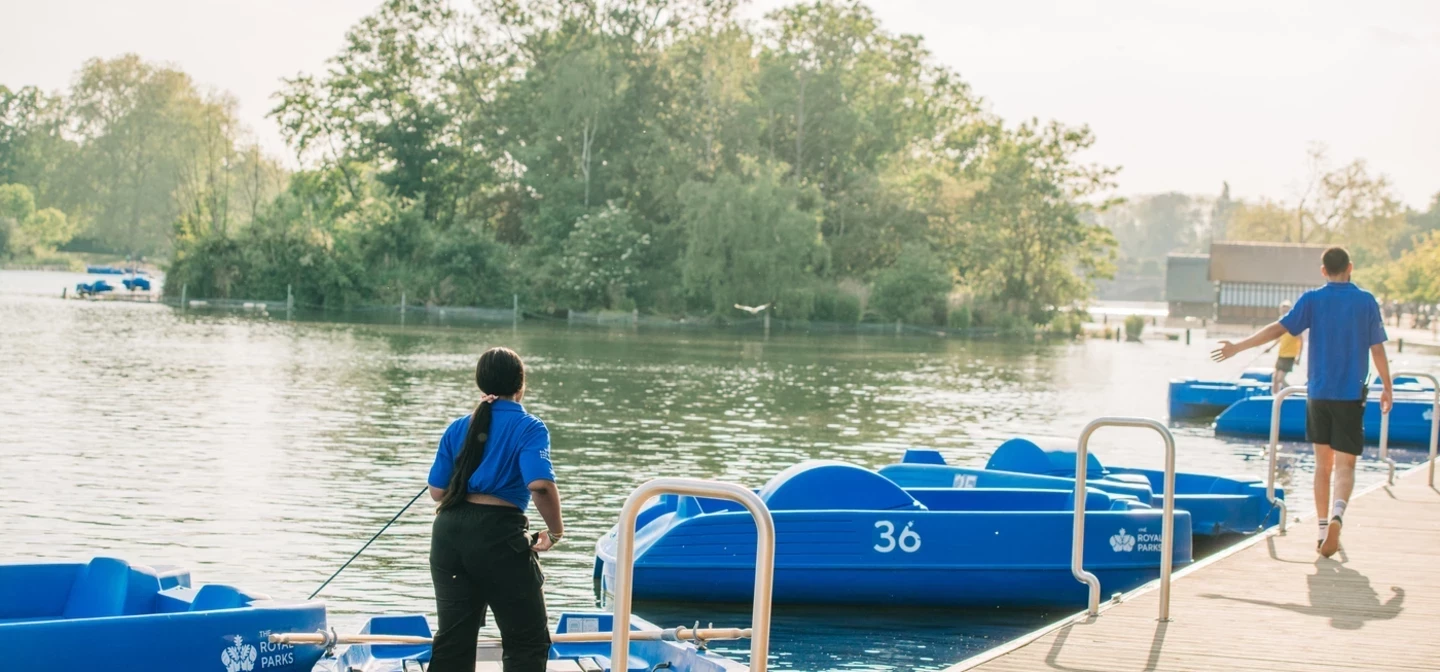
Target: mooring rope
<point x="372" y="540"/>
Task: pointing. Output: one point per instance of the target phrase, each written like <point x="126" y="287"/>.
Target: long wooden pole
<point x="672" y="634"/>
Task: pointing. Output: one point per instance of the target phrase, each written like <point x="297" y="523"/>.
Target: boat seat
<point x="1047" y="457"/>
<point x="214" y="596"/>
<point x="99" y="589"/>
<point x="837" y="486"/>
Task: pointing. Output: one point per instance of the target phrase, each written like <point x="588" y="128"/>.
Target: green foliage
<point x="1134" y="325"/>
<point x="1150" y="227"/>
<point x="601" y="258"/>
<point x="914" y="288"/>
<point x="834" y="305"/>
<point x="16" y="202"/>
<point x="1067" y="324"/>
<point x="26" y="230"/>
<point x="1346" y="206"/>
<point x="1030" y="249"/>
<point x="130" y="148"/>
<point x="959" y="318"/>
<point x="751" y="241"/>
<point x="45" y="230"/>
<point x="667" y="156"/>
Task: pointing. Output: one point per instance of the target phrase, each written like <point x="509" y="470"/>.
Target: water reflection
<point x="263" y="453"/>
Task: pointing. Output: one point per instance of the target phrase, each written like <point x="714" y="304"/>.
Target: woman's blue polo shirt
<point x="517" y="453"/>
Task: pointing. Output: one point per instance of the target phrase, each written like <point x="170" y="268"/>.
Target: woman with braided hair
<point x="489" y="466"/>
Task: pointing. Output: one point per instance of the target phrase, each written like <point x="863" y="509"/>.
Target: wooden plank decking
<point x="1276" y="605"/>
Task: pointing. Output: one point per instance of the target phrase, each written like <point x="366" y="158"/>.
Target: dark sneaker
<point x="1332" y="538"/>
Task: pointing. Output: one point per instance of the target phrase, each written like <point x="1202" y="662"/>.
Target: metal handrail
<point x="1167" y="533"/>
<point x="1274" y="451"/>
<point x="1434" y="427"/>
<point x="625" y="561"/>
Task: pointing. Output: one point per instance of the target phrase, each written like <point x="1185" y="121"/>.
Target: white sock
<point x="1337" y="509"/>
<point x="1324" y="525"/>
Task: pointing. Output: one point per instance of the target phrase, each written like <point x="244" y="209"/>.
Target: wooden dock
<point x="1274" y="604"/>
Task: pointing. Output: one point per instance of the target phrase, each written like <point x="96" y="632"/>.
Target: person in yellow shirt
<point x="1290" y="346"/>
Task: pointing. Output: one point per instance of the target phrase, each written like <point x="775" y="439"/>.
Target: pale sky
<point x="1181" y="95"/>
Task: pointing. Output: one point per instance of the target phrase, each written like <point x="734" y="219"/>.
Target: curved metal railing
<point x="1167" y="534"/>
<point x="625" y="561"/>
<point x="1434" y="427"/>
<point x="1274" y="451"/>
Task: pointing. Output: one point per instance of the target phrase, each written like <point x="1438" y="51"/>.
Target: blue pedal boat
<point x="848" y="535"/>
<point x="677" y="656"/>
<point x="1199" y="398"/>
<point x="1196" y="398"/>
<point x="136" y="284"/>
<point x="99" y="286"/>
<point x="1410" y="417"/>
<point x="1217" y="504"/>
<point x="109" y="614"/>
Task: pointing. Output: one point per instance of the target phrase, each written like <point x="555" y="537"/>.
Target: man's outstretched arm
<point x="1227" y="349"/>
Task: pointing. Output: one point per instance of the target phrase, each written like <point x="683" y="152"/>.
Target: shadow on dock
<point x="1338" y="593"/>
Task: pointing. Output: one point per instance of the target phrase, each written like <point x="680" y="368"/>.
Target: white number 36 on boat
<point x="908" y="541"/>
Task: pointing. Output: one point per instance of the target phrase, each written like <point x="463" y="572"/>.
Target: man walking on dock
<point x="1344" y="321"/>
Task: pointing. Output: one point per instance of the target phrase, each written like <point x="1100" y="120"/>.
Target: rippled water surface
<point x="262" y="453"/>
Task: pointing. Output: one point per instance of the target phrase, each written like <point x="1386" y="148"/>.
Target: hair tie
<point x="488" y="399"/>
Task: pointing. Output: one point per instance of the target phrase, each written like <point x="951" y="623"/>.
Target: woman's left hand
<point x="542" y="542"/>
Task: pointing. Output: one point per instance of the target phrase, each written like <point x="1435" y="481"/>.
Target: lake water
<point x="262" y="453"/>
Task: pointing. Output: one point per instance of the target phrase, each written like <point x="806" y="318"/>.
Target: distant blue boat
<point x="1217" y="504"/>
<point x="136" y="284"/>
<point x="93" y="288"/>
<point x="1409" y="418"/>
<point x="108" y="614"/>
<point x="847" y="535"/>
<point x="1197" y="398"/>
<point x="104" y="270"/>
<point x="644" y="655"/>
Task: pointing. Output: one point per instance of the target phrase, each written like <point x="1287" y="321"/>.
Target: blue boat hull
<point x="1409" y="420"/>
<point x="1192" y="398"/>
<point x="935" y="547"/>
<point x="108" y="615"/>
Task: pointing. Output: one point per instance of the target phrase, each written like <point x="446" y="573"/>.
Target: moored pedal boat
<point x="1195" y="398"/>
<point x="1217" y="504"/>
<point x="111" y="615"/>
<point x="1410" y="418"/>
<point x="593" y="656"/>
<point x="1192" y="398"/>
<point x="847" y="535"/>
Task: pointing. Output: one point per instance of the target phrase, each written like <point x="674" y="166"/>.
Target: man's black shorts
<point x="1286" y="364"/>
<point x="1338" y="424"/>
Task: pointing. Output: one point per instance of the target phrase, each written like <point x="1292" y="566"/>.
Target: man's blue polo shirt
<point x="1344" y="321"/>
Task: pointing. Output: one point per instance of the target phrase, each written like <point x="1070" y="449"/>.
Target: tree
<point x="33" y="149"/>
<point x="601" y="257"/>
<point x="17" y="204"/>
<point x="1352" y="206"/>
<point x="1148" y="228"/>
<point x="1222" y="212"/>
<point x="1028" y="248"/>
<point x="752" y="240"/>
<point x="1262" y="221"/>
<point x="915" y="288"/>
<point x="27" y="230"/>
<point x="152" y="148"/>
